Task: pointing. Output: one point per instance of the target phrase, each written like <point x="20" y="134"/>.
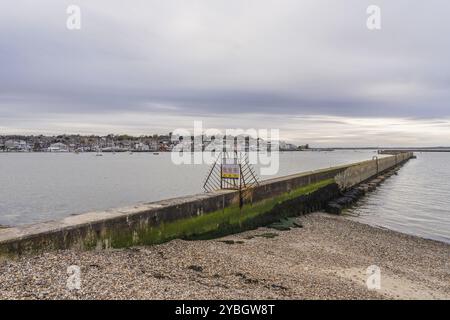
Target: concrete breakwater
<point x="198" y="216"/>
<point x="350" y="197"/>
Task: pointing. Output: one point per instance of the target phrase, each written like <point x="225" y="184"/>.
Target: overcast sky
<point x="310" y="68"/>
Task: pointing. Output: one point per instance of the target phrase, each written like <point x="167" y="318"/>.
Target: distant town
<point x="121" y="143"/>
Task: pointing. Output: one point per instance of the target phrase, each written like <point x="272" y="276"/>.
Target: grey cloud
<point x="213" y="58"/>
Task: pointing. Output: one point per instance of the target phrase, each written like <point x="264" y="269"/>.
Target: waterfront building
<point x="141" y="147"/>
<point x="58" y="147"/>
<point x="17" y="145"/>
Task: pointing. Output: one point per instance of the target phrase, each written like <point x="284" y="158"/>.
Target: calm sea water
<point x="45" y="186"/>
<point x="38" y="187"/>
<point x="416" y="201"/>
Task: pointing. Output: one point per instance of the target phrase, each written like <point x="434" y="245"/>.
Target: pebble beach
<point x="323" y="257"/>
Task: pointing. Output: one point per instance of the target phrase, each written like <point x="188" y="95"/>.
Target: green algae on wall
<point x="229" y="220"/>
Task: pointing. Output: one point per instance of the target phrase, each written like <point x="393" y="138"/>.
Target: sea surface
<point x="44" y="186"/>
<point x="416" y="201"/>
<point x="36" y="187"/>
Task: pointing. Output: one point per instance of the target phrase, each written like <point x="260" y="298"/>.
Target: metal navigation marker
<point x="231" y="171"/>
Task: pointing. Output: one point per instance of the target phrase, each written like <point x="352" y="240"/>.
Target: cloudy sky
<point x="310" y="68"/>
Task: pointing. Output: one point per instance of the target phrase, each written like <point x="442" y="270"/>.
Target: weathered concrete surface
<point x="192" y="216"/>
<point x="351" y="195"/>
<point x="363" y="171"/>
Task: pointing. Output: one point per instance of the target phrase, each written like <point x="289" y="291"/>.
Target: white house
<point x="58" y="147"/>
<point x="141" y="147"/>
<point x="14" y="145"/>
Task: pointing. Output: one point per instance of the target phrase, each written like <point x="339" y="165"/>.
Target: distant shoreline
<point x="443" y="149"/>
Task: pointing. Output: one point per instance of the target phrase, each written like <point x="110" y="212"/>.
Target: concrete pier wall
<point x="193" y="217"/>
<point x="362" y="171"/>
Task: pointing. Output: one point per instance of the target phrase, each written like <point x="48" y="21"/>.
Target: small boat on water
<point x="155" y="153"/>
